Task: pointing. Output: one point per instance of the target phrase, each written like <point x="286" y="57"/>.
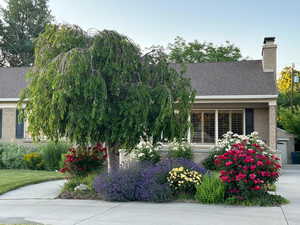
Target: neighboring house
<point x="236" y="96"/>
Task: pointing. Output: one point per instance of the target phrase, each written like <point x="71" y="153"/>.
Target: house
<point x="231" y="96"/>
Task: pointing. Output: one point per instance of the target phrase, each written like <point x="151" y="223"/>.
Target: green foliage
<point x="100" y="88"/>
<point x="12" y="156"/>
<point x="146" y="151"/>
<point x="194" y="52"/>
<point x="289" y="119"/>
<point x="52" y="152"/>
<point x="75" y="181"/>
<point x="209" y="161"/>
<point x="34" y="161"/>
<point x="180" y="150"/>
<point x="260" y="200"/>
<point x="284" y="99"/>
<point x="20" y="23"/>
<point x="211" y="190"/>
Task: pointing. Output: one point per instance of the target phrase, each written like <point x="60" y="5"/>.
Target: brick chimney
<point x="269" y="55"/>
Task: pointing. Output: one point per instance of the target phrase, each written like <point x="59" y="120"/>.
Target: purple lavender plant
<point x="141" y="182"/>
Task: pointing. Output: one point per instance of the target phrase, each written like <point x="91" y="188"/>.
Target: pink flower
<point x="228" y="163"/>
<point x="252" y="167"/>
<point x="252" y="176"/>
<point x="251" y="151"/>
<point x="240" y="176"/>
<point x="249" y="160"/>
<point x="259" y="163"/>
<point x="256" y="187"/>
<point x="224" y="178"/>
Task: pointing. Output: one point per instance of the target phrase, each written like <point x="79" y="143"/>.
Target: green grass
<point x="13" y="179"/>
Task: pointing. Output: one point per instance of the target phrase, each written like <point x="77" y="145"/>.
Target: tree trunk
<point x="113" y="159"/>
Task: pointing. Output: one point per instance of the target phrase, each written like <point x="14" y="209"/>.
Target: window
<point x="19" y="127"/>
<point x="207" y="125"/>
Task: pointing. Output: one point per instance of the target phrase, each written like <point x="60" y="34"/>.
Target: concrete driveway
<point x="83" y="212"/>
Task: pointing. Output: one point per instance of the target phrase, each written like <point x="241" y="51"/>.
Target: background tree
<point x="101" y="88"/>
<point x="195" y="52"/>
<point x="284" y="84"/>
<point x="20" y="23"/>
<point x="289" y="119"/>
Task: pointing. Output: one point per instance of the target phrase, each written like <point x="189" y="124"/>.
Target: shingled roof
<point x="208" y="79"/>
<point x="12" y="81"/>
<point x="231" y="78"/>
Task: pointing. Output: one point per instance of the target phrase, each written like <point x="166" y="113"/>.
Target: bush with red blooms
<point x="247" y="168"/>
<point x="82" y="161"/>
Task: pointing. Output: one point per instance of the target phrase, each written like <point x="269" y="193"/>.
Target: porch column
<point x="272" y="125"/>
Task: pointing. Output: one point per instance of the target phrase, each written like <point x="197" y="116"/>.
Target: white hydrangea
<point x="230" y="138"/>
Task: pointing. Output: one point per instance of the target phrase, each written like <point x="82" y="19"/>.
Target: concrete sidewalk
<point x="45" y="190"/>
<point x="84" y="212"/>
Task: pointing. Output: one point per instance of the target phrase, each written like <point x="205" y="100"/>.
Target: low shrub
<point x="71" y="188"/>
<point x="146" y="151"/>
<point x="209" y="161"/>
<point x="83" y="161"/>
<point x="248" y="168"/>
<point x="52" y="152"/>
<point x="118" y="185"/>
<point x="180" y="150"/>
<point x="211" y="190"/>
<point x="73" y="182"/>
<point x="34" y="161"/>
<point x="265" y="199"/>
<point x="182" y="180"/>
<point x="12" y="156"/>
<point x="141" y="182"/>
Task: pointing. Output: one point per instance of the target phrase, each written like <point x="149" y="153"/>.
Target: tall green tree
<point x="181" y="51"/>
<point x="102" y="89"/>
<point x="289" y="119"/>
<point x="20" y="23"/>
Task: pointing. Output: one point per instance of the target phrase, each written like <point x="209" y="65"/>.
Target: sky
<point x="158" y="22"/>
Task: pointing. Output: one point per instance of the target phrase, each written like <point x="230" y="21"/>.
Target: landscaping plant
<point x="81" y="162"/>
<point x="147" y="151"/>
<point x="180" y="150"/>
<point x="12" y="156"/>
<point x="34" y="161"/>
<point x="103" y="88"/>
<point x="142" y="182"/>
<point x="224" y="144"/>
<point x="211" y="190"/>
<point x="51" y="153"/>
<point x="247" y="168"/>
<point x="183" y="180"/>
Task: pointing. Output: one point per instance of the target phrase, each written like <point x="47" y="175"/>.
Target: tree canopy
<point x="196" y="52"/>
<point x="20" y="23"/>
<point x="289" y="119"/>
<point x="101" y="88"/>
<point x="284" y="83"/>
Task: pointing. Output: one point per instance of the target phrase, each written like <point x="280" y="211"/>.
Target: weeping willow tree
<point x="101" y="88"/>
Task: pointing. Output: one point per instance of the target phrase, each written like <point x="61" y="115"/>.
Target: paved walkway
<point x="45" y="190"/>
<point x="85" y="212"/>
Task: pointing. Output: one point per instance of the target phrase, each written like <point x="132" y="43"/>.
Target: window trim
<point x="216" y="124"/>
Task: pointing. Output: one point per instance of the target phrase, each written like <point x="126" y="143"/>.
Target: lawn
<point x="12" y="179"/>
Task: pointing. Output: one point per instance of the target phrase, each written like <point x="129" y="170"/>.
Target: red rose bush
<point x="248" y="167"/>
<point x="82" y="161"/>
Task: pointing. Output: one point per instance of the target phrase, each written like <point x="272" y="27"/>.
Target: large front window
<point x="208" y="125"/>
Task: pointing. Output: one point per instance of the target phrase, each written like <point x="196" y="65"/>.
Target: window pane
<point x="223" y="123"/>
<point x="196" y="123"/>
<point x="209" y="127"/>
<point x="237" y="122"/>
